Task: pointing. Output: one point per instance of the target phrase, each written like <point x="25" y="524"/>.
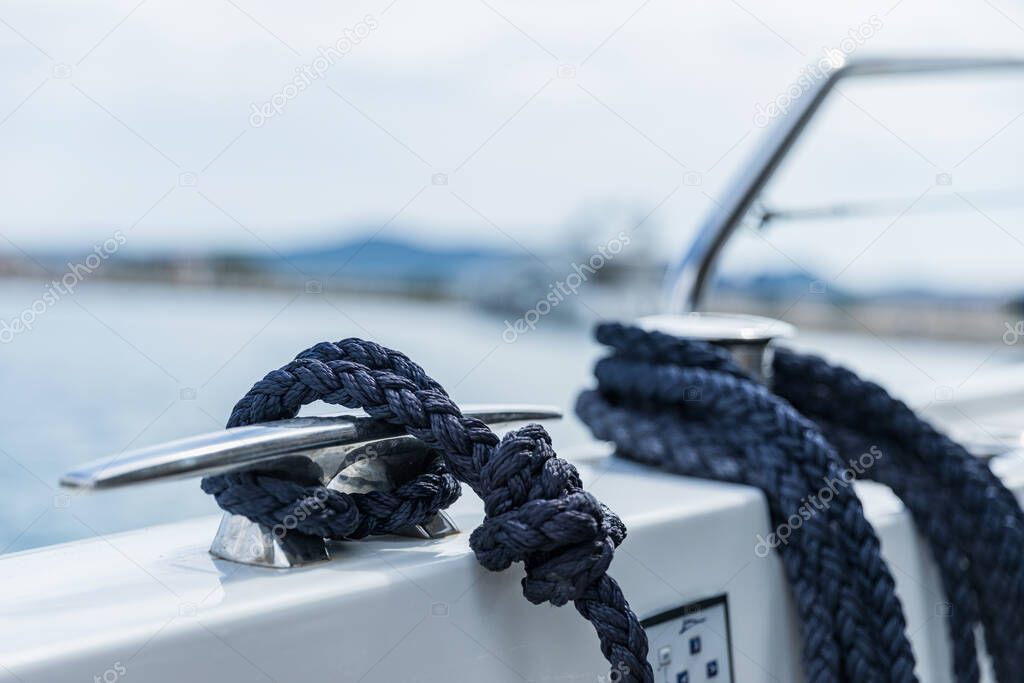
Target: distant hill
<point x="390" y="258"/>
<point x="779" y="285"/>
<point x="793" y="284"/>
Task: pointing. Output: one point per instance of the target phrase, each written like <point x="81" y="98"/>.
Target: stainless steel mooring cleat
<point x="348" y="452"/>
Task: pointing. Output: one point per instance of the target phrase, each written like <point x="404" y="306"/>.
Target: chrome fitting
<point x="347" y="452"/>
<point x="748" y="338"/>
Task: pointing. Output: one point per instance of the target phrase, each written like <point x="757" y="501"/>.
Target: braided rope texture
<point x="687" y="408"/>
<point x="536" y="510"/>
<point x="972" y="522"/>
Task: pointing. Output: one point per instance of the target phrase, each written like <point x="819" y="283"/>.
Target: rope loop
<point x="972" y="522"/>
<point x="686" y="406"/>
<point x="536" y="510"/>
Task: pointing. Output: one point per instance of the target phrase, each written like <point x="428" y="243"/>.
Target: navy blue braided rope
<point x="686" y="407"/>
<point x="973" y="523"/>
<point x="915" y="487"/>
<point x="536" y="509"/>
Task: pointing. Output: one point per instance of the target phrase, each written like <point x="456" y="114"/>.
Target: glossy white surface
<point x="155" y="605"/>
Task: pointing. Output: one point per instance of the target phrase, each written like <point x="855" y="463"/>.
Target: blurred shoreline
<point x="566" y="285"/>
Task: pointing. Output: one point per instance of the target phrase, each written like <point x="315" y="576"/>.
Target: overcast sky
<point x="138" y="116"/>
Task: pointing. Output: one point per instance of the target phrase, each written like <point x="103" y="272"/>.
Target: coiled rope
<point x="536" y="509"/>
<point x="687" y="407"/>
<point x="972" y="522"/>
